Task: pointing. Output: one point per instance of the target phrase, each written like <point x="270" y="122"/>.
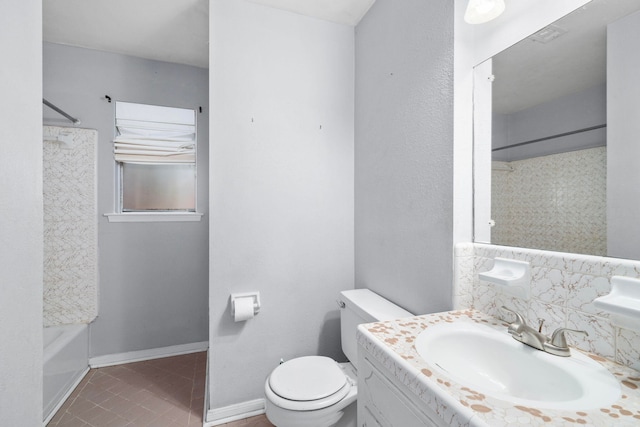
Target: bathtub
<point x="66" y="362"/>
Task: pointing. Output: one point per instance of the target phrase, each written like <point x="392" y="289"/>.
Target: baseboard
<point x="141" y="355"/>
<point x="227" y="414"/>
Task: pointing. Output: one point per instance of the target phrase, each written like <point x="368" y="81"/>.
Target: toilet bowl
<point x="311" y="391"/>
<point x="316" y="391"/>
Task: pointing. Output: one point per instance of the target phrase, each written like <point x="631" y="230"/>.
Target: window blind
<point x="152" y="134"/>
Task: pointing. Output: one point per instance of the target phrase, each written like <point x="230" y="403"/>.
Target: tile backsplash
<point x="563" y="287"/>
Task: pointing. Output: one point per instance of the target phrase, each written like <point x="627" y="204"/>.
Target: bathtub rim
<point x="67" y="337"/>
<point x="69" y="332"/>
<point x="56" y="408"/>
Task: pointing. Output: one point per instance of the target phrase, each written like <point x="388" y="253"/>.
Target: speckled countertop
<point x="392" y="344"/>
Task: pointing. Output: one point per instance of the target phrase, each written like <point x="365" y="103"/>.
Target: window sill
<point x="154" y="217"/>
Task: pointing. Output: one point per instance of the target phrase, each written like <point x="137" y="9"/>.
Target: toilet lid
<point x="307" y="378"/>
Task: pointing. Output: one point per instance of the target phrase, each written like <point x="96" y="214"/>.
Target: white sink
<point x="491" y="362"/>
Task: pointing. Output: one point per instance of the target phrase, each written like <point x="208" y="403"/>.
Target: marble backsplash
<point x="563" y="287"/>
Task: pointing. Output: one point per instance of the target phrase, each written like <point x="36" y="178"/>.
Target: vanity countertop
<point x="392" y="344"/>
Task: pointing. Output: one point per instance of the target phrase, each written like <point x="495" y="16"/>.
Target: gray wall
<point x="404" y="153"/>
<point x="569" y="113"/>
<point x="21" y="214"/>
<point x="281" y="189"/>
<point x="153" y="277"/>
<point x="623" y="150"/>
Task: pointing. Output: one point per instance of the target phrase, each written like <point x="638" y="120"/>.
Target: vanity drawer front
<point x="387" y="405"/>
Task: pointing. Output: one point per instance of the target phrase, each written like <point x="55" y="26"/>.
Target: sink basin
<point x="491" y="362"/>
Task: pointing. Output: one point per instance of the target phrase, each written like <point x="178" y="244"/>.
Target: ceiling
<point x="178" y="31"/>
<point x="531" y="72"/>
<point x="348" y="12"/>
<point x="164" y="30"/>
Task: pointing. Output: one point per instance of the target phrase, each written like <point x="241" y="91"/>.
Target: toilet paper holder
<point x="242" y="295"/>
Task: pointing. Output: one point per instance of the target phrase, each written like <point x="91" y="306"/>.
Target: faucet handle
<point x="558" y="344"/>
<point x="558" y="339"/>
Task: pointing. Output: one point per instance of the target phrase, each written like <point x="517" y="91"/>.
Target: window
<point x="149" y="187"/>
<point x="155" y="153"/>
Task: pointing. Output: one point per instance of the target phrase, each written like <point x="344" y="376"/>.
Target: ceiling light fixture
<point x="481" y="11"/>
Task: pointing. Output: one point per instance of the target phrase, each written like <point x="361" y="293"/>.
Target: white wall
<point x="404" y="154"/>
<point x="21" y="214"/>
<point x="153" y="277"/>
<point x="281" y="190"/>
<point x="568" y="113"/>
<point x="623" y="150"/>
<point x="473" y="45"/>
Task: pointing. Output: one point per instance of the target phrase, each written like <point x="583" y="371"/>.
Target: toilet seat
<point x="307" y="384"/>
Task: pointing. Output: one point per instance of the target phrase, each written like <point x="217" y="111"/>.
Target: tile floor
<point x="156" y="393"/>
<point x="260" y="421"/>
<point x="160" y="392"/>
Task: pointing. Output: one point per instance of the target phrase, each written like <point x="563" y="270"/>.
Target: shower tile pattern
<point x="563" y="287"/>
<point x="70" y="226"/>
<point x="555" y="202"/>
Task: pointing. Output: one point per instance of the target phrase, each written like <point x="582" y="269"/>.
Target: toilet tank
<point x="363" y="306"/>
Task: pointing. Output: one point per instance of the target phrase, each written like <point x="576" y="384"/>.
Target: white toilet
<point x="316" y="391"/>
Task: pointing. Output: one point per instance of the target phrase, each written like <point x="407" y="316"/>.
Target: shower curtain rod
<point x="551" y="137"/>
<point x="59" y="111"/>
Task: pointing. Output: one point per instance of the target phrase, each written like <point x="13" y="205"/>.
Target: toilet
<point x="316" y="391"/>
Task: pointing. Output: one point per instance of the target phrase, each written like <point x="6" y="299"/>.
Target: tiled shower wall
<point x="563" y="287"/>
<point x="555" y="202"/>
<point x="70" y="226"/>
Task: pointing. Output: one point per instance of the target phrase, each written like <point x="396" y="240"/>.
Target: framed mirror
<point x="558" y="109"/>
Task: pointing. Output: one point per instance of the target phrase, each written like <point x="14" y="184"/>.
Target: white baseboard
<point x="154" y="353"/>
<point x="227" y="414"/>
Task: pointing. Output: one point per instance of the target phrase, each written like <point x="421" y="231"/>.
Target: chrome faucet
<point x="556" y="345"/>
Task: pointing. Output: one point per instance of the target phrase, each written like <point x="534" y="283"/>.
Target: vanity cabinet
<point x="399" y="387"/>
<point x="383" y="402"/>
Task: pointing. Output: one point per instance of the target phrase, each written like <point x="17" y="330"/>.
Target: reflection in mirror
<point x="550" y="128"/>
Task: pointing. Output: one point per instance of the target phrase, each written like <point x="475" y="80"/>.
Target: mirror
<point x="558" y="153"/>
